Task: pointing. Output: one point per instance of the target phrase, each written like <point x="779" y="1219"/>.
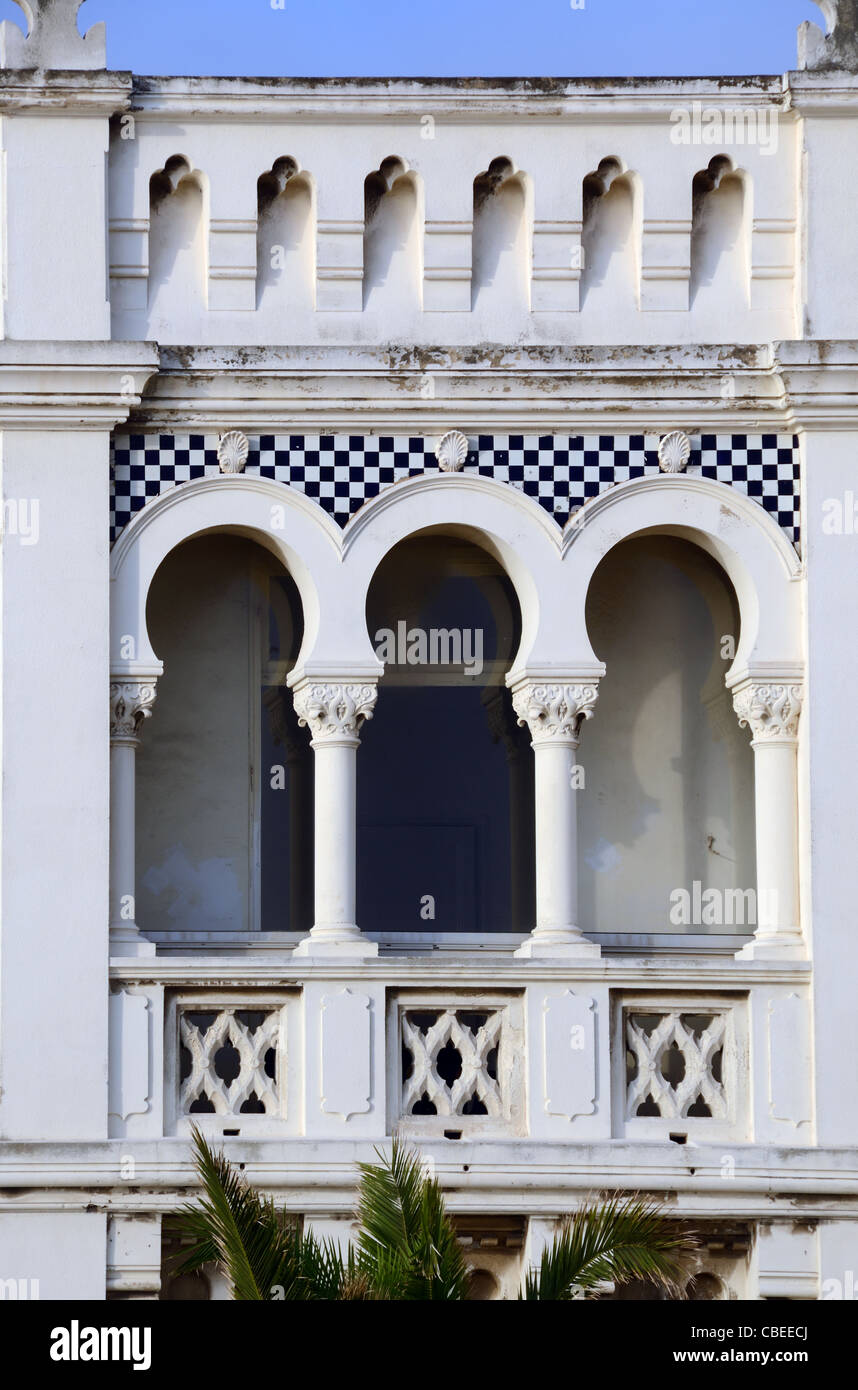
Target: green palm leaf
<point x="257" y="1248"/>
<point x="407" y="1247"/>
<point x="615" y="1241"/>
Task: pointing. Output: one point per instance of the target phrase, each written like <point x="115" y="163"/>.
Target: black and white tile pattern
<point x="561" y="472"/>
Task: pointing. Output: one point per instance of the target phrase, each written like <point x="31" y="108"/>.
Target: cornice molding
<point x="72" y="93"/>
<point x="477" y="389"/>
<point x="461" y="101"/>
<point x="62" y="386"/>
<point x="781" y="387"/>
<point x="775" y="388"/>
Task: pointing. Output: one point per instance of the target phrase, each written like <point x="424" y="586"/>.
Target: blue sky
<point x="447" y="37"/>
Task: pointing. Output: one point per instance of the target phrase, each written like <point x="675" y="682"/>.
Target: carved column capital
<point x="554" y="713"/>
<point x="334" y="711"/>
<point x="771" y="710"/>
<point x="131" y="703"/>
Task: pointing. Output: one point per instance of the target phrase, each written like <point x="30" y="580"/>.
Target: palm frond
<point x="256" y="1247"/>
<point x="614" y="1241"/>
<point x="407" y="1247"/>
<point x="389" y="1199"/>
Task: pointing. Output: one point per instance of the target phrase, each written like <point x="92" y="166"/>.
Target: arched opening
<point x="178" y="227"/>
<point x="445" y="784"/>
<point x="285" y="237"/>
<point x="610" y="237"/>
<point x="719" y="250"/>
<point x="500" y="272"/>
<point x="666" y="815"/>
<point x="704" y="1288"/>
<point x="483" y="1286"/>
<point x="392" y="271"/>
<point x="224" y="773"/>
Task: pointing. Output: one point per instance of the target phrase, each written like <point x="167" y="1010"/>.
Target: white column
<point x="131" y="703"/>
<point x="554" y="714"/>
<point x="771" y="710"/>
<point x="334" y="712"/>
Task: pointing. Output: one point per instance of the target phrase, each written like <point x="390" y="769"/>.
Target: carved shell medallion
<point x="452" y="451"/>
<point x="232" y="451"/>
<point x="674" y="452"/>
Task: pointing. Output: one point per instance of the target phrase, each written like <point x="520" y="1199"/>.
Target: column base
<point x="559" y="946"/>
<point x="127" y="940"/>
<point x="343" y="941"/>
<point x="789" y="946"/>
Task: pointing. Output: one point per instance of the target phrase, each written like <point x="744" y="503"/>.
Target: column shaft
<point x="554" y="714"/>
<point x="772" y="712"/>
<point x="335" y="855"/>
<point x="122" y="831"/>
<point x="334" y="712"/>
<point x="131" y="704"/>
<point x="775" y="775"/>
<point x="556" y="841"/>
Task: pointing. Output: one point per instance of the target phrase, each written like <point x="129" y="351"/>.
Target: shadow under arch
<point x="445" y="786"/>
<point x="523" y="538"/>
<point x="669" y="794"/>
<point x="282" y="520"/>
<point x="752" y="550"/>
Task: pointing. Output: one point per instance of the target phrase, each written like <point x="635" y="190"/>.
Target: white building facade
<point x="434" y="505"/>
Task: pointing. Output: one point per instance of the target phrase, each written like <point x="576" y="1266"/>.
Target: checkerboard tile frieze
<point x="561" y="472"/>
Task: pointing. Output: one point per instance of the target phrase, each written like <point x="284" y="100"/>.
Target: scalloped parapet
<point x="838" y="46"/>
<point x="53" y="40"/>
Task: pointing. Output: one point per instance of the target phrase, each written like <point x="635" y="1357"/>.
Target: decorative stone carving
<point x="232" y="451"/>
<point x="451" y="452"/>
<point x="649" y="1079"/>
<point x="130" y="704"/>
<point x="53" y="39"/>
<point x="335" y="711"/>
<point x="674" y="451"/>
<point x="252" y="1044"/>
<point x="555" y="712"/>
<point x="838" y="46"/>
<point x="770" y="711"/>
<point x="472" y="1089"/>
